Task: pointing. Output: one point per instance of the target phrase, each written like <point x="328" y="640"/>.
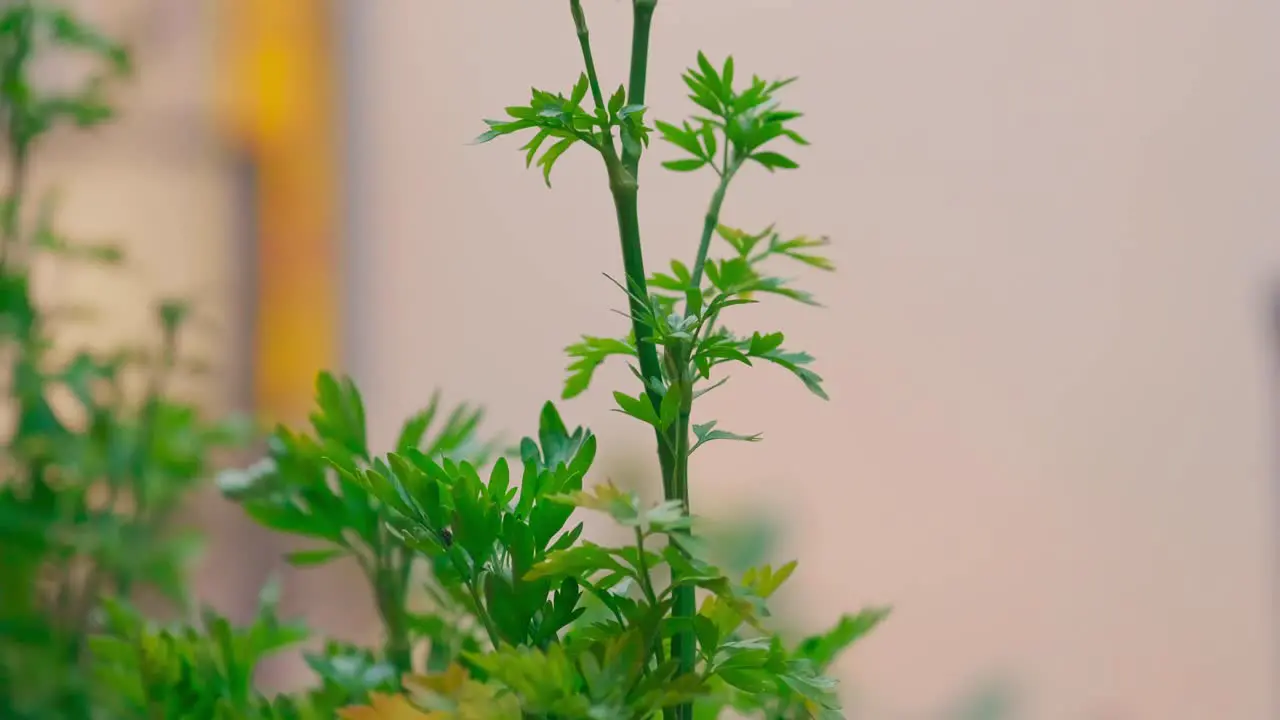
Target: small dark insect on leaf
<point x="446" y="538"/>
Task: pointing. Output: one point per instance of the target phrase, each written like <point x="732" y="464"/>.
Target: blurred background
<point x="1053" y="346"/>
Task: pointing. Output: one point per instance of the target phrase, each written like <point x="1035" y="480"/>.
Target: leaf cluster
<point x="566" y="122"/>
<point x="316" y="486"/>
<point x="554" y="625"/>
<point x="736" y="126"/>
<point x="720" y="653"/>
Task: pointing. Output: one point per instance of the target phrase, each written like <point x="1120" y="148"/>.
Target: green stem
<point x="622" y="183"/>
<point x="709" y="225"/>
<point x="391" y="606"/>
<point x="638" y="78"/>
<point x="684" y="604"/>
<point x="389" y="597"/>
<point x="584" y="40"/>
<point x="483" y="614"/>
<point x="672" y="456"/>
<point x="646" y="582"/>
<point x="646" y="585"/>
<point x="623" y="187"/>
<point x="682" y="644"/>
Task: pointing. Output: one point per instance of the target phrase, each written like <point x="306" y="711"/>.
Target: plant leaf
<point x="313" y="558"/>
<point x="548" y="159"/>
<point x="637" y="407"/>
<point x="685" y="165"/>
<point x="707" y="432"/>
<point x="587" y="355"/>
<point x="774" y="161"/>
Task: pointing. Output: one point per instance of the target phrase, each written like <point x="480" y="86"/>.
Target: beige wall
<point x="1051" y="440"/>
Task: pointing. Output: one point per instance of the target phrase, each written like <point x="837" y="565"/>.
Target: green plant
<point x="92" y="472"/>
<point x="206" y="669"/>
<point x="492" y="604"/>
<point x="517" y="569"/>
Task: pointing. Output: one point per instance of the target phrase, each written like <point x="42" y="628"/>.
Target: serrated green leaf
<point x="624" y="507"/>
<point x="489" y="135"/>
<point x="709" y="139"/>
<point x="587" y="356"/>
<point x="669" y="410"/>
<point x="579" y="90"/>
<point x="618" y="100"/>
<point x="684" y="139"/>
<point x="549" y="158"/>
<point x="764" y="581"/>
<point x="822" y="649"/>
<point x="779" y="84"/>
<point x="415" y="428"/>
<point x="795" y="137"/>
<point x="710" y="78"/>
<point x="685" y="165"/>
<point x="531" y="147"/>
<point x="817" y="691"/>
<point x="774" y="161"/>
<point x="706" y="433"/>
<point x="580" y="561"/>
<point x="637" y="407"/>
<point x="629" y="110"/>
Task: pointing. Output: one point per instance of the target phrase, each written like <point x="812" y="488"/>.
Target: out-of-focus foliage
<point x="93" y="471"/>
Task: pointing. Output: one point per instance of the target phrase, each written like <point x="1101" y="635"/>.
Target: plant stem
<point x="584" y="40"/>
<point x="646" y="585"/>
<point x="489" y="627"/>
<point x="682" y="644"/>
<point x="646" y="582"/>
<point x="623" y="187"/>
<point x="399" y="649"/>
<point x="684" y="605"/>
<point x="672" y="456"/>
<point x="623" y="184"/>
<point x="385" y="579"/>
<point x="709" y="225"/>
<point x="642" y="12"/>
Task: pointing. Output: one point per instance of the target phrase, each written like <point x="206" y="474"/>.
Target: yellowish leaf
<point x="387" y="707"/>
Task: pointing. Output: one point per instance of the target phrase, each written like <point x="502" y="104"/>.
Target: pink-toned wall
<point x="1051" y="443"/>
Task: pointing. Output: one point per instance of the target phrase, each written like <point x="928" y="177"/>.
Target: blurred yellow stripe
<point x="278" y="98"/>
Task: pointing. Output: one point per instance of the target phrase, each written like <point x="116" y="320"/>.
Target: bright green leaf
<point x="548" y="159"/>
<point x="637" y="407"/>
<point x="312" y="558"/>
<point x="706" y="433"/>
<point x="686" y="165"/>
<point x="774" y="161"/>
